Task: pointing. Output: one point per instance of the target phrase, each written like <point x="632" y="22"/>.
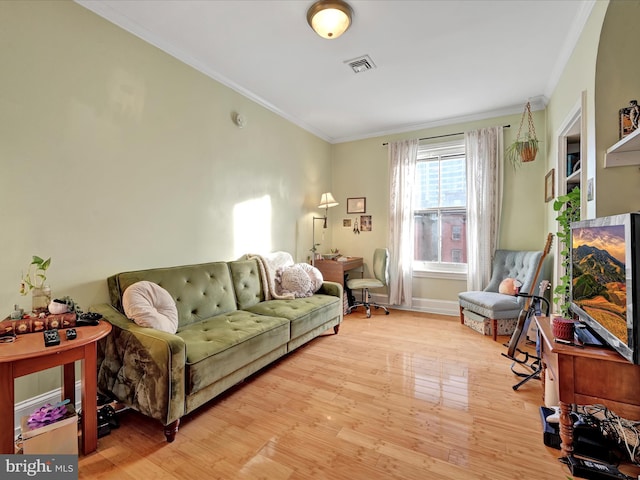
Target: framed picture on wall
<point x="357" y="205"/>
<point x="365" y="223"/>
<point x="590" y="189"/>
<point x="346" y="223"/>
<point x="629" y="118"/>
<point x="549" y="180"/>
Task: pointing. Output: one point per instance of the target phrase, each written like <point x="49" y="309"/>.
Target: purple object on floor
<point x="47" y="414"/>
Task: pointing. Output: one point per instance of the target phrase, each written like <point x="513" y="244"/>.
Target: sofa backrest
<point x="247" y="282"/>
<point x="200" y="291"/>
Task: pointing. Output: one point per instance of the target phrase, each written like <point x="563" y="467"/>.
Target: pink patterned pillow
<point x="509" y="286"/>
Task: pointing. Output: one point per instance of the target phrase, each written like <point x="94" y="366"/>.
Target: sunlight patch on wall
<point x="252" y="226"/>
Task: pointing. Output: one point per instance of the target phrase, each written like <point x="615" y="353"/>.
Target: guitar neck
<point x="545" y="252"/>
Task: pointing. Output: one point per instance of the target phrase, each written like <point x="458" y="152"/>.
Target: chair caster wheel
<point x="387" y="312"/>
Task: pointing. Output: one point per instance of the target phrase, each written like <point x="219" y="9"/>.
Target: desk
<point x="333" y="270"/>
<point x="29" y="355"/>
<point x="588" y="376"/>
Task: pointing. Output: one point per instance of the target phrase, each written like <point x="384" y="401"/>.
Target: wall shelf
<point x="625" y="152"/>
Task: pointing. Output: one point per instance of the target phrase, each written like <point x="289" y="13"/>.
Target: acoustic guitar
<point x="524" y="318"/>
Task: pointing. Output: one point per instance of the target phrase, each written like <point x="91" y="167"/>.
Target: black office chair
<point x="381" y="272"/>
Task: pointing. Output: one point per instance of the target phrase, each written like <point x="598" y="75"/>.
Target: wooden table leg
<point x="566" y="429"/>
<point x="69" y="383"/>
<point x="89" y="399"/>
<point x="7" y="445"/>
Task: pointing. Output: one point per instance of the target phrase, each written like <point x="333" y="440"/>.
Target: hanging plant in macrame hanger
<point x="525" y="147"/>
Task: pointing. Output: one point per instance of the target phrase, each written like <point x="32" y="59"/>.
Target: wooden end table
<point x="29" y="355"/>
<point x="585" y="376"/>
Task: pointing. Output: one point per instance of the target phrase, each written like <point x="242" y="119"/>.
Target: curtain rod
<point x="442" y="136"/>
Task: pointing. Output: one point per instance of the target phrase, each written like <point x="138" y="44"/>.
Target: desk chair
<point x="381" y="272"/>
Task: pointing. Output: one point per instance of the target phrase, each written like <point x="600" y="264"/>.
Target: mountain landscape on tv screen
<point x="599" y="282"/>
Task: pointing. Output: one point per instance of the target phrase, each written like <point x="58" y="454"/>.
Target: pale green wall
<point x="578" y="77"/>
<point x="603" y="66"/>
<point x="360" y="169"/>
<point x="115" y="156"/>
<point x="617" y="81"/>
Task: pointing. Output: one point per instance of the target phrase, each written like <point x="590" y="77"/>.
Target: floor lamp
<point x="326" y="201"/>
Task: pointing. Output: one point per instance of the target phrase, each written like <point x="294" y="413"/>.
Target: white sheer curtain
<point x="484" y="152"/>
<point x="402" y="162"/>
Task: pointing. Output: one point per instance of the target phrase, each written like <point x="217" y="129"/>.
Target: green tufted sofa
<point x="226" y="332"/>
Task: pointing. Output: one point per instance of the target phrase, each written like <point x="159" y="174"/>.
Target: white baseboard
<point x="439" y="307"/>
<point x="30" y="405"/>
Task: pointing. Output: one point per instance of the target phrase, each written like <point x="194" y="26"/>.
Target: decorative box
<point x="58" y="438"/>
<point x="483" y="325"/>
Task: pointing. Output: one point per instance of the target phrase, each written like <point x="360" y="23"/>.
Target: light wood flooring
<point x="403" y="396"/>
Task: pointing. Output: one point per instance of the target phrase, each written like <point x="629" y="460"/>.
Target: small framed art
<point x="365" y="223"/>
<point x="357" y="205"/>
<point x="549" y="181"/>
<point x="629" y="118"/>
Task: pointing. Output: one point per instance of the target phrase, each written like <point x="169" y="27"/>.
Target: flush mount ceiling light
<point x="329" y="18"/>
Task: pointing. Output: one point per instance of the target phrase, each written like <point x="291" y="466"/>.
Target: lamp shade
<point x="327" y="201"/>
<point x="329" y="18"/>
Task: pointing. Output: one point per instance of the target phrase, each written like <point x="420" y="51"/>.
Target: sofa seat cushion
<point x="491" y="304"/>
<point x="305" y="314"/>
<point x="222" y="344"/>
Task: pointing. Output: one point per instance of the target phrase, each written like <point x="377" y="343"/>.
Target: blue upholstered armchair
<point x="492" y="305"/>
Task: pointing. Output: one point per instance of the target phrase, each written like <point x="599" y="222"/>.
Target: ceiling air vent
<point x="361" y="64"/>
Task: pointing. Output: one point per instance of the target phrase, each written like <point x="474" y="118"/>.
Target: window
<point x="456" y="232"/>
<point x="440" y="208"/>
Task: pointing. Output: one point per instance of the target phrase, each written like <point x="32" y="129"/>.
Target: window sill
<point x="440" y="274"/>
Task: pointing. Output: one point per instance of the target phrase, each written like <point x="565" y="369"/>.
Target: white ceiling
<point x="438" y="61"/>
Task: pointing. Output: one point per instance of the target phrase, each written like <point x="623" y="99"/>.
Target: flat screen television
<point x="605" y="279"/>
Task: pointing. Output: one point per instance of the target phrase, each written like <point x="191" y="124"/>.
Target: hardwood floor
<point x="403" y="396"/>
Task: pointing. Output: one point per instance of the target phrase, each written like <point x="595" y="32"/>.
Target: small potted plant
<point x="34" y="282"/>
<point x="525" y="147"/>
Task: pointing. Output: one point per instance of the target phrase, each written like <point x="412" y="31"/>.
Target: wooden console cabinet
<point x="586" y="376"/>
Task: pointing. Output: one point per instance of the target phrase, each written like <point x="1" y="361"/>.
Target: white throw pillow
<point x="295" y="280"/>
<point x="150" y="305"/>
<point x="314" y="274"/>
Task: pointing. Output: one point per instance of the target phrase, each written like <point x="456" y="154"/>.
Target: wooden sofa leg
<point x="461" y="315"/>
<point x="171" y="430"/>
<point x="335" y="329"/>
<point x="494" y="326"/>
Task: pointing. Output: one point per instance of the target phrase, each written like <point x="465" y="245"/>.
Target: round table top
<point x="31" y="345"/>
